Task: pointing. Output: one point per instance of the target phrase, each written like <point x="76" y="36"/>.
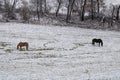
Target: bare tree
<point x="10" y="9"/>
<point x="39" y="7"/>
<point x="113" y="16"/>
<point x="69" y="10"/>
<point x="83" y="10"/>
<point x="98" y="6"/>
<point x="45" y="6"/>
<point x="92" y="10"/>
<point x="1" y="5"/>
<point x="118" y="12"/>
<point x="14" y="5"/>
<point x="38" y="12"/>
<point x="58" y="8"/>
<point x="25" y="11"/>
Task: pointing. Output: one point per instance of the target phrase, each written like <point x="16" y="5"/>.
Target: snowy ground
<point x="58" y="53"/>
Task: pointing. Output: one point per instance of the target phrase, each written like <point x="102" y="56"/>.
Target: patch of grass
<point x="22" y="49"/>
<point x="61" y="49"/>
<point x="45" y="56"/>
<point x="26" y="53"/>
<point x="76" y="46"/>
<point x="50" y="56"/>
<point x="8" y="50"/>
<point x="42" y="49"/>
<point x="79" y="44"/>
<point x="4" y="44"/>
<point x="46" y="64"/>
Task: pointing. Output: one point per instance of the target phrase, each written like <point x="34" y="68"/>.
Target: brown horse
<point x="21" y="44"/>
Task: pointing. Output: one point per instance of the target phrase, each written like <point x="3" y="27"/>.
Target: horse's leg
<point x="20" y="48"/>
<point x="27" y="48"/>
<point x="99" y="44"/>
<point x="93" y="43"/>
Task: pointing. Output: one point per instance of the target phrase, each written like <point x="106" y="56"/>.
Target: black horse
<point x="97" y="41"/>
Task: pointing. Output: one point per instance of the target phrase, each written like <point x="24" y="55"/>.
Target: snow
<point x="58" y="53"/>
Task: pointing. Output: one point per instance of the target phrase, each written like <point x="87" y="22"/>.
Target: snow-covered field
<point x="58" y="53"/>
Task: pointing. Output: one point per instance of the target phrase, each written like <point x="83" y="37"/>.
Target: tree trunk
<point x="45" y="5"/>
<point x="41" y="8"/>
<point x="69" y="10"/>
<point x="83" y="10"/>
<point x="38" y="13"/>
<point x="98" y="6"/>
<point x="118" y="11"/>
<point x="111" y="24"/>
<point x="58" y="8"/>
<point x="92" y="11"/>
<point x="13" y="6"/>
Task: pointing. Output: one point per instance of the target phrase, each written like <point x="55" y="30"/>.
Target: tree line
<point x="83" y="9"/>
